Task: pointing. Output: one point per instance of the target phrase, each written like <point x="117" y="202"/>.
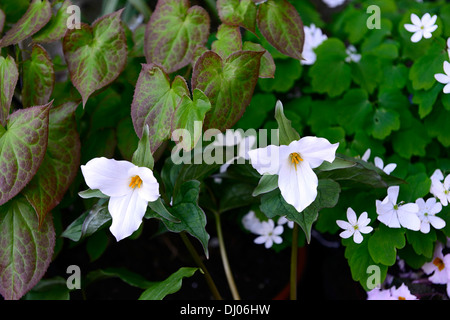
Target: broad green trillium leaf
<point x="281" y="25"/>
<point x="95" y="55"/>
<point x="228" y="83"/>
<point x="38" y="14"/>
<point x="174" y="32"/>
<point x="60" y="164"/>
<point x="22" y="148"/>
<point x="154" y="103"/>
<point x="38" y="78"/>
<point x="26" y="250"/>
<point x="9" y="74"/>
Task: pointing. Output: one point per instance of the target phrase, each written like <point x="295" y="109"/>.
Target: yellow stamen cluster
<point x="136" y="181"/>
<point x="295" y="159"/>
<point x="439" y="263"/>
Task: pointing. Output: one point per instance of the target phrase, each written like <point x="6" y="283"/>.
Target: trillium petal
<point x="266" y="160"/>
<point x="108" y="175"/>
<point x="417" y="36"/>
<point x="298" y="186"/>
<point x="149" y="189"/>
<point x="127" y="213"/>
<point x="314" y="150"/>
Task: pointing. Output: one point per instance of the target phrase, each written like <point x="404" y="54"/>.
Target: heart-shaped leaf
<point x="57" y="26"/>
<point x="96" y="55"/>
<point x="8" y="80"/>
<point x="22" y="149"/>
<point x="174" y="32"/>
<point x="154" y="103"/>
<point x="38" y="78"/>
<point x="228" y="83"/>
<point x="60" y="164"/>
<point x="26" y="249"/>
<point x="238" y="13"/>
<point x="38" y="14"/>
<point x="281" y="25"/>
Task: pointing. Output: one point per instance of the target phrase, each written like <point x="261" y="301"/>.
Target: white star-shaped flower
<point x="355" y="226"/>
<point x="402" y="293"/>
<point x="313" y="38"/>
<point x="269" y="234"/>
<point x="439" y="267"/>
<point x="439" y="189"/>
<point x="427" y="214"/>
<point x="422" y="27"/>
<point x="396" y="215"/>
<point x="352" y="54"/>
<point x="379" y="163"/>
<point x="444" y="78"/>
<point x="129" y="187"/>
<point x="294" y="166"/>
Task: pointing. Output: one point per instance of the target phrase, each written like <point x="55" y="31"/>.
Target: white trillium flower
<point x="313" y="38"/>
<point x="355" y="226"/>
<point x="294" y="166"/>
<point x="269" y="234"/>
<point x="444" y="78"/>
<point x="439" y="189"/>
<point x="396" y="215"/>
<point x="129" y="187"/>
<point x="427" y="214"/>
<point x="422" y="27"/>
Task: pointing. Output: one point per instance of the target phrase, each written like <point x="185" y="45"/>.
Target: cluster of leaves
<point x="121" y="92"/>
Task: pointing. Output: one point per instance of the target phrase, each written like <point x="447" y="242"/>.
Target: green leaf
<point x="287" y="134"/>
<point x="267" y="183"/>
<point x="174" y="32"/>
<point x="367" y="72"/>
<point x="22" y="149"/>
<point x="238" y="13"/>
<point x="417" y="186"/>
<point x="437" y="125"/>
<point x="57" y="26"/>
<point x="422" y="243"/>
<point x="89" y="193"/>
<point x="355" y="110"/>
<point x="331" y="80"/>
<point x="287" y="72"/>
<point x="159" y="207"/>
<point x="426" y="99"/>
<point x="412" y="140"/>
<point x="229" y="40"/>
<point x="384" y="242"/>
<point x="38" y="78"/>
<point x="191" y="217"/>
<point x="189" y="116"/>
<point x="38" y="14"/>
<point x="127" y="276"/>
<point x="154" y="103"/>
<point x="159" y="290"/>
<point x="95" y="55"/>
<point x="60" y="164"/>
<point x="281" y="25"/>
<point x="143" y="157"/>
<point x="49" y="289"/>
<point x="26" y="249"/>
<point x="384" y="121"/>
<point x="9" y="74"/>
<point x="267" y="66"/>
<point x="228" y="84"/>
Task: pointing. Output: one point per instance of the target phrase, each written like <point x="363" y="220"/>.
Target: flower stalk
<point x="294" y="263"/>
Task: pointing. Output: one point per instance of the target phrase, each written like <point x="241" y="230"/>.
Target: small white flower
<point x="379" y="294"/>
<point x="396" y="215"/>
<point x="269" y="234"/>
<point x="352" y="54"/>
<point x="380" y="164"/>
<point x="422" y="27"/>
<point x="444" y="78"/>
<point x="427" y="214"/>
<point x="251" y="222"/>
<point x="366" y="155"/>
<point x="283" y="220"/>
<point x="333" y="3"/>
<point x="439" y="267"/>
<point x="129" y="187"/>
<point x="439" y="189"/>
<point x="313" y="38"/>
<point x="355" y="226"/>
<point x="448" y="47"/>
<point x="402" y="293"/>
<point x="294" y="166"/>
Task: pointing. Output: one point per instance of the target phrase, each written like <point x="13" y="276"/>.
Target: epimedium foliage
<point x="121" y="91"/>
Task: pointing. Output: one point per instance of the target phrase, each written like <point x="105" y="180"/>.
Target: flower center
<point x="136" y="181"/>
<point x="439" y="263"/>
<point x="401" y="298"/>
<point x="295" y="159"/>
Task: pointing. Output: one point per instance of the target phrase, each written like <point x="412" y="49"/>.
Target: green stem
<point x="294" y="260"/>
<point x="225" y="262"/>
<point x="201" y="265"/>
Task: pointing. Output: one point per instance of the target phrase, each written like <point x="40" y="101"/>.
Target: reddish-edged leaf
<point x="26" y="248"/>
<point x="60" y="164"/>
<point x="38" y="78"/>
<point x="174" y="32"/>
<point x="281" y="25"/>
<point x="267" y="68"/>
<point x="228" y="83"/>
<point x="57" y="26"/>
<point x="38" y="14"/>
<point x="238" y="13"/>
<point x="96" y="55"/>
<point x="22" y="149"/>
<point x="8" y="80"/>
<point x="154" y="103"/>
<point x="229" y="40"/>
